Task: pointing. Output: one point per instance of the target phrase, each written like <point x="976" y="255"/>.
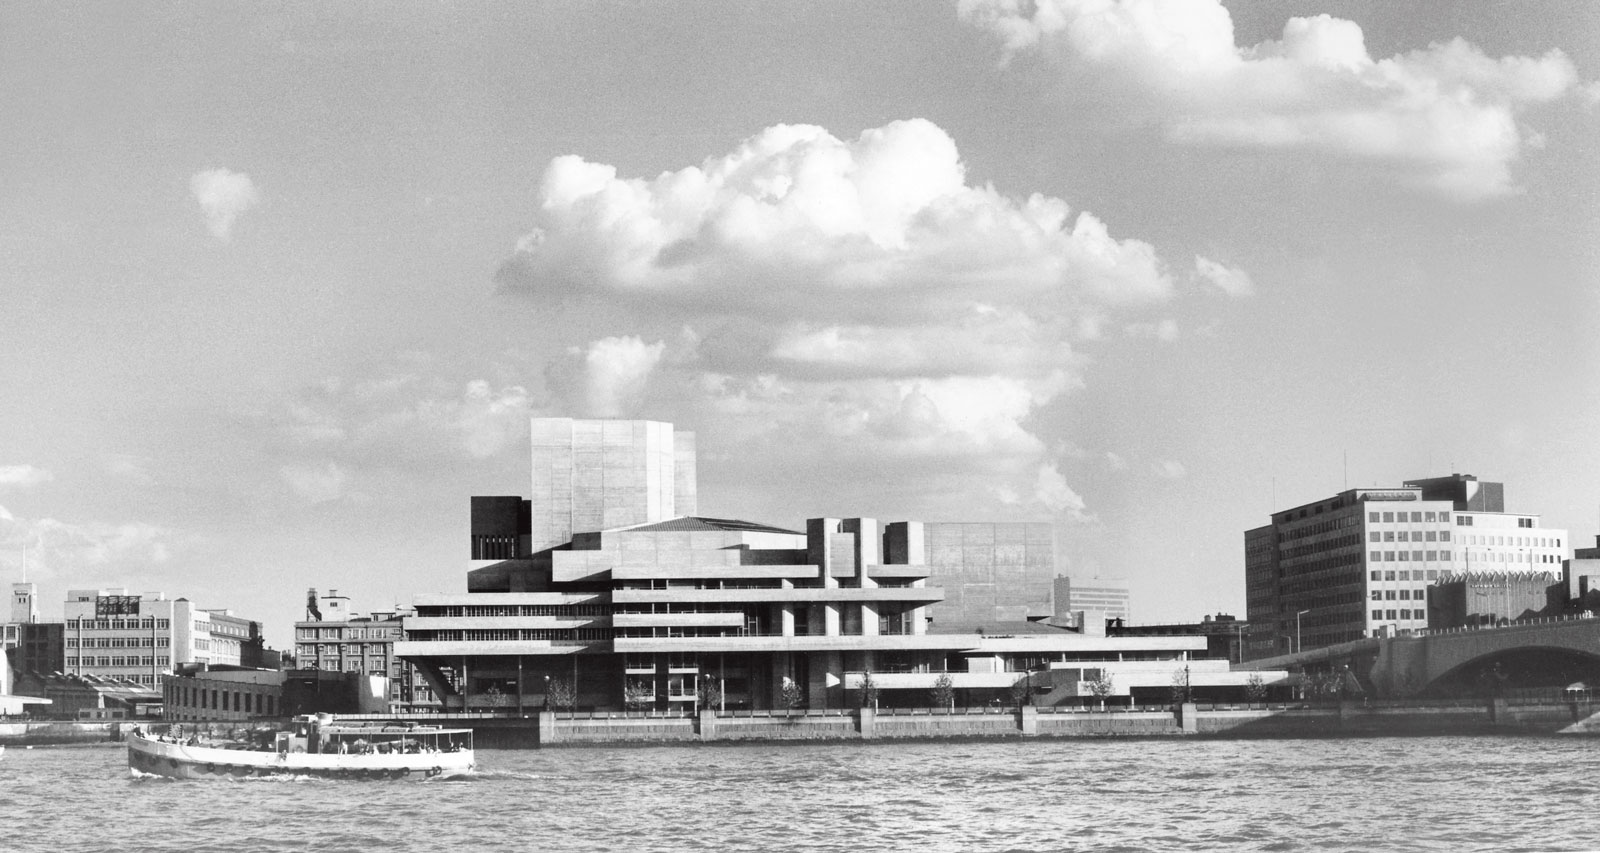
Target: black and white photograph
<point x="704" y="425"/>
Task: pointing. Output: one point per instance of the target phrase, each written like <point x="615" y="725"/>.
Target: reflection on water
<point x="1392" y="794"/>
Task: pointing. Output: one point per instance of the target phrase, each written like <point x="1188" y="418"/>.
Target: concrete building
<point x="625" y="598"/>
<point x="30" y="645"/>
<point x="1493" y="598"/>
<point x="334" y="639"/>
<point x="112" y="634"/>
<point x="1106" y="596"/>
<point x="990" y="572"/>
<point x="226" y="694"/>
<point x="1224" y="634"/>
<point x="1358" y="563"/>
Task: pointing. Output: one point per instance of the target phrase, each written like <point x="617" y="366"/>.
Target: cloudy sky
<point x="282" y="284"/>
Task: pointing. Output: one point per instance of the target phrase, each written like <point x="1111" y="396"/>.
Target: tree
<point x="563" y="694"/>
<point x="1255" y="687"/>
<point x="638" y="695"/>
<point x="1181" y="690"/>
<point x="944" y="691"/>
<point x="1021" y="688"/>
<point x="791" y="694"/>
<point x="710" y="693"/>
<point x="1102" y="687"/>
<point x="869" y="691"/>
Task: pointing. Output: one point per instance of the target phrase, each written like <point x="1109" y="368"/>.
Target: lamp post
<point x="547" y="705"/>
<point x="1299" y="644"/>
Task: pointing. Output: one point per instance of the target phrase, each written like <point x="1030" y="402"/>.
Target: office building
<point x="1358" y="564"/>
<point x="335" y="639"/>
<point x="623" y="598"/>
<point x="1108" y="597"/>
<point x="112" y="634"/>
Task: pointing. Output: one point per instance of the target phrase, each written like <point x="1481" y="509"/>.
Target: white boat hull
<point x="181" y="761"/>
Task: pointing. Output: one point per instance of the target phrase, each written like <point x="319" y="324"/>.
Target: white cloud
<point x="855" y="301"/>
<point x="23" y="476"/>
<point x="1115" y="462"/>
<point x="223" y="195"/>
<point x="616" y="371"/>
<point x="1230" y="280"/>
<point x="89" y="552"/>
<point x="798" y="220"/>
<point x="1052" y="491"/>
<point x="403" y="417"/>
<point x="317" y="483"/>
<point x="1444" y="116"/>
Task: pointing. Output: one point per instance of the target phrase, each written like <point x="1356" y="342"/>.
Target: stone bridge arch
<point x="1539" y="653"/>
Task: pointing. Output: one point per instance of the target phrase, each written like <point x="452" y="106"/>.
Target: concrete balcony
<point x="804" y="643"/>
<point x="925" y="680"/>
<point x="409" y="649"/>
<point x="734" y="572"/>
<point x="478" y="599"/>
<point x="558" y="623"/>
<point x="808" y="595"/>
<point x="899" y="572"/>
<point x="678" y="620"/>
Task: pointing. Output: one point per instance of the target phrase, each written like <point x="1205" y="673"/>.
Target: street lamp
<point x="1299" y="644"/>
<point x="547" y="693"/>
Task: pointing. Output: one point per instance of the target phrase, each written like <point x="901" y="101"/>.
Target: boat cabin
<point x="319" y="734"/>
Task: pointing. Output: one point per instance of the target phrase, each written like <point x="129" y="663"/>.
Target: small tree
<point x="1101" y="687"/>
<point x="869" y="691"/>
<point x="1020" y="690"/>
<point x="791" y="694"/>
<point x="710" y="694"/>
<point x="1181" y="691"/>
<point x="563" y="694"/>
<point x="496" y="697"/>
<point x="638" y="695"/>
<point x="1255" y="687"/>
<point x="944" y="691"/>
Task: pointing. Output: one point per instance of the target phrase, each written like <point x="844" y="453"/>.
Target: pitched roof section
<point x="691" y="523"/>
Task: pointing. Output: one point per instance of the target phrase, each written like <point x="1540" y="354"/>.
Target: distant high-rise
<point x="1108" y="596"/>
<point x="1358" y="564"/>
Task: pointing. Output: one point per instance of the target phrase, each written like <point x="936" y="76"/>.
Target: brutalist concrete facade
<point x="991" y="572"/>
<point x="597" y="475"/>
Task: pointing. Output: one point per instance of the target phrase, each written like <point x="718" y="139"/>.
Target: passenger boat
<point x="314" y="746"/>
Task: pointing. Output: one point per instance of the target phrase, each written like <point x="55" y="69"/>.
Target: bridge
<point x="1533" y="653"/>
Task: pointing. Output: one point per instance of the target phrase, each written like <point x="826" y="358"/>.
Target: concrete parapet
<point x="1028" y="719"/>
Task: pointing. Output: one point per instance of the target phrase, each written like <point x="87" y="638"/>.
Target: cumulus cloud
<point x="1445" y="116"/>
<point x="1051" y="490"/>
<point x="796" y="219"/>
<point x="616" y="371"/>
<point x="223" y="195"/>
<point x="856" y="300"/>
<point x="85" y="551"/>
<point x="403" y="417"/>
<point x="23" y="476"/>
<point x="1230" y="280"/>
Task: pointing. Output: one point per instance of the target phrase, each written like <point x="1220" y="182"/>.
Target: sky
<point x="282" y="284"/>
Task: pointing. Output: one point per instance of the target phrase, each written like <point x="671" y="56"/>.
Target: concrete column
<point x="547" y="728"/>
<point x="708" y="725"/>
<point x="867" y="723"/>
<point x="1028" y="719"/>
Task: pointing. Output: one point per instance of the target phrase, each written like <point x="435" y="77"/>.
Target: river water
<point x="1445" y="793"/>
